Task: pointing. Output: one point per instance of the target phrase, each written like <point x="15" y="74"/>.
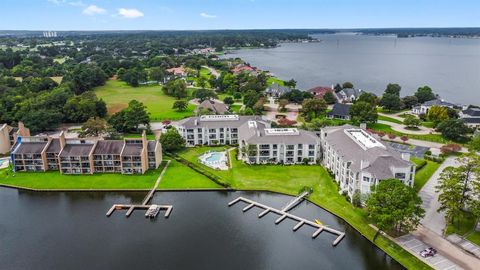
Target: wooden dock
<point x="284" y="214"/>
<point x="144" y="206"/>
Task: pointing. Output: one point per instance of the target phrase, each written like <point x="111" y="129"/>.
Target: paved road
<point x="434" y="220"/>
<point x="401" y="128"/>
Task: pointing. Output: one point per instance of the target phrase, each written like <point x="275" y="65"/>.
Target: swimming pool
<point x="214" y="157"/>
<point x="215" y="160"/>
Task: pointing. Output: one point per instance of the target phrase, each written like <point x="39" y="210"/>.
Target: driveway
<point x="416" y="151"/>
<point x="401" y="128"/>
<point x="434" y="220"/>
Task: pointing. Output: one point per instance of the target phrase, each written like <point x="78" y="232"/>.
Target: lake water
<point x="451" y="66"/>
<point x="71" y="231"/>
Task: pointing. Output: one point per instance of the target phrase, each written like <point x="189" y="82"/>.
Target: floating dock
<point x="284" y="214"/>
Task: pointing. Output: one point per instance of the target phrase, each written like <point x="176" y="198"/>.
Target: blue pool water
<point x="214" y="157"/>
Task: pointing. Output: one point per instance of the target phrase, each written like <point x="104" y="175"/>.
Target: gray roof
<point x="76" y="150"/>
<point x="275" y="88"/>
<point x="471" y="120"/>
<point x="257" y="135"/>
<point x="151" y="146"/>
<point x="133" y="149"/>
<point x="30" y="148"/>
<point x="340" y="109"/>
<point x="213" y="105"/>
<point x="474" y="112"/>
<point x="351" y="92"/>
<point x="380" y="159"/>
<point x="438" y="102"/>
<point x="195" y="122"/>
<point x="54" y="146"/>
<point x="109" y="147"/>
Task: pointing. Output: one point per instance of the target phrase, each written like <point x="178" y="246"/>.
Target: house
<point x="358" y="160"/>
<point x="243" y="68"/>
<point x="86" y="156"/>
<point x="340" y="111"/>
<point x="214" y="106"/>
<point x="471" y="117"/>
<point x="275" y="90"/>
<point x="9" y="135"/>
<point x="320" y="91"/>
<point x="178" y="71"/>
<point x="348" y="95"/>
<point x="257" y="141"/>
<point x="423" y="108"/>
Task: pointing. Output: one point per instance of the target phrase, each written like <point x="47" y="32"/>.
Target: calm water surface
<point x="451" y="66"/>
<point x="70" y="231"/>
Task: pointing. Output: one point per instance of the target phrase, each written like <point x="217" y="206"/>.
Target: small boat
<point x="318" y="222"/>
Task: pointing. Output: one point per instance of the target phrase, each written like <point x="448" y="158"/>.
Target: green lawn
<point x="290" y="179"/>
<point x="422" y="175"/>
<point x="462" y="225"/>
<point x="474" y="237"/>
<point x="55" y="180"/>
<point x="389" y="119"/>
<point x="271" y="80"/>
<point x="179" y="176"/>
<point x="136" y="135"/>
<point x="427" y="137"/>
<point x="117" y="94"/>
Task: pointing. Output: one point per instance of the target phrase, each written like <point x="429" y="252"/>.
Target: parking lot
<point x="414" y="245"/>
<point x="416" y="151"/>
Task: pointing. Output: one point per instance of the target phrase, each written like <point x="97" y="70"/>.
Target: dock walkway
<point x="284" y="214"/>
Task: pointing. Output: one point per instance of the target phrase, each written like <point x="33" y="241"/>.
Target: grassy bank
<point x="179" y="176"/>
<point x="117" y="94"/>
<point x="290" y="179"/>
<point x="54" y="180"/>
<point x="422" y="175"/>
<point x="464" y="225"/>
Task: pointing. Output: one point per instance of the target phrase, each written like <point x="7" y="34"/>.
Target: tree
<point x="411" y="121"/>
<point x="282" y="103"/>
<point x="202" y="82"/>
<point x="395" y="206"/>
<point x="204" y="94"/>
<point x="250" y="98"/>
<point x="450" y="189"/>
<point x="368" y="97"/>
<point x="180" y="105"/>
<point x="393" y="89"/>
<point x="329" y="98"/>
<point x="156" y="74"/>
<point x="424" y="93"/>
<point x="93" y="127"/>
<point x="363" y="112"/>
<point x="134" y="76"/>
<point x="172" y="141"/>
<point x="410" y="101"/>
<point x="391" y="102"/>
<point x="474" y="144"/>
<point x="290" y="83"/>
<point x="347" y="85"/>
<point x="130" y="118"/>
<point x="313" y="108"/>
<point x="228" y="101"/>
<point x="453" y="129"/>
<point x="259" y="105"/>
<point x="176" y="88"/>
<point x="437" y="114"/>
<point x="296" y="96"/>
<point x="80" y="108"/>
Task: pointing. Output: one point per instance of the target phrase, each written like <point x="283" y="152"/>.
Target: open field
<point x="389" y="119"/>
<point x="422" y="175"/>
<point x="427" y="137"/>
<point x="117" y="94"/>
<point x="179" y="176"/>
<point x="54" y="180"/>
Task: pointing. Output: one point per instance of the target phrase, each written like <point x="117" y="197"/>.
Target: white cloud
<point x="57" y="2"/>
<point x="130" y="13"/>
<point x="93" y="10"/>
<point x="206" y="15"/>
<point x="76" y="3"/>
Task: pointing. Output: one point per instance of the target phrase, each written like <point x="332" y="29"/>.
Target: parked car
<point x="428" y="252"/>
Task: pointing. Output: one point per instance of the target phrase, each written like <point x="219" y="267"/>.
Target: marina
<point x="283" y="213"/>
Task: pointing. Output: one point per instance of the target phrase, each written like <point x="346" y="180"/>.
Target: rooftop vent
<point x="281" y="131"/>
<point x="212" y="118"/>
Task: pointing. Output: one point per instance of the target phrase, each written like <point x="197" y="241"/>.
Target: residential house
<point x="423" y="108"/>
<point x="86" y="156"/>
<point x="178" y="72"/>
<point x="340" y="111"/>
<point x="471" y="117"/>
<point x="320" y="91"/>
<point x="213" y="106"/>
<point x="275" y="90"/>
<point x="358" y="160"/>
<point x="9" y="135"/>
<point x="348" y="95"/>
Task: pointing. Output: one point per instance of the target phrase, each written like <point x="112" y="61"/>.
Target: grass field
<point x="427" y="137"/>
<point x="55" y="180"/>
<point x="389" y="119"/>
<point x="179" y="176"/>
<point x="117" y="94"/>
<point x="290" y="180"/>
<point x="271" y="80"/>
<point x="422" y="175"/>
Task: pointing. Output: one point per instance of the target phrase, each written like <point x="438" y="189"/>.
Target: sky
<point x="234" y="14"/>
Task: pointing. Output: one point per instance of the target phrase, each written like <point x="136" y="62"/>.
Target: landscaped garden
<point x="117" y="94"/>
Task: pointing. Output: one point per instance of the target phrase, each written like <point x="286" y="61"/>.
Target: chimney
<point x="62" y="139"/>
<point x="22" y="130"/>
<point x="406" y="156"/>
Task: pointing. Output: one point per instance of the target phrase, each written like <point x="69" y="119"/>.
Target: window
<point x="400" y="175"/>
<point x="366" y="179"/>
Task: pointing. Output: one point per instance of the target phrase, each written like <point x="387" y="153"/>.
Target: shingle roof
<point x="151" y="146"/>
<point x="109" y="147"/>
<point x="214" y="106"/>
<point x="340" y="109"/>
<point x="472" y="120"/>
<point x="257" y="135"/>
<point x="195" y="122"/>
<point x="438" y="102"/>
<point x="275" y="88"/>
<point x="472" y="112"/>
<point x="76" y="150"/>
<point x="134" y="149"/>
<point x="30" y="148"/>
<point x="54" y="146"/>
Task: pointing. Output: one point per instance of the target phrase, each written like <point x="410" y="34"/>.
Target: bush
<point x="451" y="148"/>
<point x="357" y="199"/>
<point x="404" y="138"/>
<point x="392" y="136"/>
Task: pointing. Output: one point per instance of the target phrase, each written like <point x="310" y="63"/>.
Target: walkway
<point x="213" y="71"/>
<point x="150" y="194"/>
<point x="394" y="115"/>
<point x="401" y="128"/>
<point x="464" y="244"/>
<point x="434" y="220"/>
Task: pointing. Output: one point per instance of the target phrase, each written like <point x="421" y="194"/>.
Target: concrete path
<point x="401" y="128"/>
<point x="414" y="246"/>
<point x="393" y="115"/>
<point x="447" y="249"/>
<point x="213" y="71"/>
<point x="434" y="220"/>
<point x="464" y="244"/>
